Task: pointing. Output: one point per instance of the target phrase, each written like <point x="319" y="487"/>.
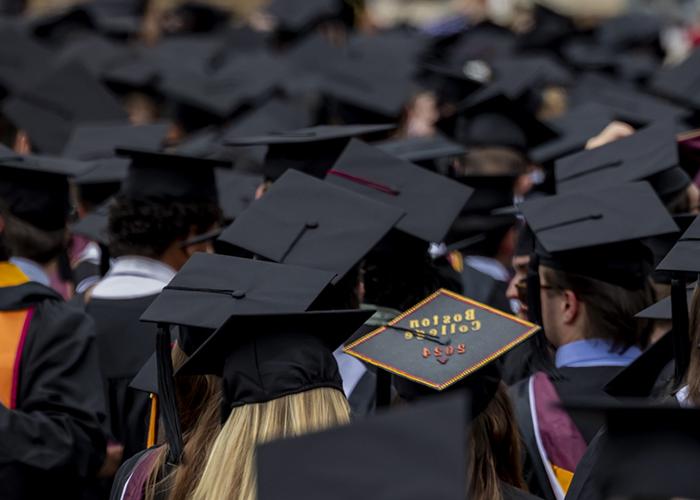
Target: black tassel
<point x="680" y="330"/>
<point x="542" y="356"/>
<point x="383" y="388"/>
<point x="167" y="397"/>
<point x="104" y="259"/>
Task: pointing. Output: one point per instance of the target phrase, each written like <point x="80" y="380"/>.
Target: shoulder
<point x="513" y="493"/>
<point x="136" y="469"/>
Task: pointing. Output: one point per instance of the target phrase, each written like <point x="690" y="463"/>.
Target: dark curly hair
<point x="148" y="228"/>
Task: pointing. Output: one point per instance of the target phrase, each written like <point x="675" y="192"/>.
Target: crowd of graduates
<point x="278" y="252"/>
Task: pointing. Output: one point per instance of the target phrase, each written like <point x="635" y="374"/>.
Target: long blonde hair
<point x="230" y="470"/>
<point x="693" y="375"/>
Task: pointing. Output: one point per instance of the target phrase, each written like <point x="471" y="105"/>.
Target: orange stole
<point x="13" y="329"/>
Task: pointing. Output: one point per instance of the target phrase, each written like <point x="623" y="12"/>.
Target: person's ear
<point x="570" y="306"/>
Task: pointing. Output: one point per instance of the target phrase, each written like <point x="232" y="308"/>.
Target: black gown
<point x="51" y="443"/>
<point x="124" y="345"/>
<point x="485" y="289"/>
<point x="576" y="383"/>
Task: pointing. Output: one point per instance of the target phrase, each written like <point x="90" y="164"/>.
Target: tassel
<point x="152" y="422"/>
<point x="167" y="397"/>
<point x="680" y="330"/>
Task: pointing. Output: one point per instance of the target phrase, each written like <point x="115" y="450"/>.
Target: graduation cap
<point x="420" y="149"/>
<point x="94" y="225"/>
<point x="682" y="258"/>
<point x="36" y="188"/>
<point x="662" y="310"/>
<point x="64" y="97"/>
<point x="483" y="214"/>
<point x="643" y="376"/>
<point x="96" y="53"/>
<point x="60" y="25"/>
<point x="156" y="175"/>
<point x="102" y="180"/>
<point x="304" y="221"/>
<point x="485" y="40"/>
<point x="299" y="16"/>
<point x="680" y="83"/>
<point x="89" y="141"/>
<point x="596" y="233"/>
<point x="661" y="245"/>
<point x="440" y="341"/>
<point x="373" y="173"/>
<point x="539" y="70"/>
<point x="196" y="17"/>
<point x="549" y="30"/>
<point x="312" y="150"/>
<point x="573" y="130"/>
<point x="648" y="451"/>
<point x="23" y="60"/>
<point x="499" y="121"/>
<point x="209" y="288"/>
<point x="262" y="357"/>
<point x="624" y="102"/>
<point x="643" y="155"/>
<point x="236" y="191"/>
<point x="376" y="453"/>
<point x="630" y="30"/>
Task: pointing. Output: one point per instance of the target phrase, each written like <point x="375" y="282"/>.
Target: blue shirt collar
<point x="33" y="271"/>
<point x="594" y="352"/>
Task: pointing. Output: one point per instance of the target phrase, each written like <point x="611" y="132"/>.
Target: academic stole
<point x="13" y="332"/>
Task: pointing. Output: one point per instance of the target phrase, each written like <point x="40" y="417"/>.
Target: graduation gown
<point x="485" y="289"/>
<point x="583" y="382"/>
<point x="51" y="441"/>
<point x="124" y="345"/>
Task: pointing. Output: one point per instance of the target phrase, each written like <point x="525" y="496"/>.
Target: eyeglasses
<point x="521" y="287"/>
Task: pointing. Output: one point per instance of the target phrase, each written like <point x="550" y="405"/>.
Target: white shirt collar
<point x="488" y="266"/>
<point x="133" y="276"/>
<point x="33" y="270"/>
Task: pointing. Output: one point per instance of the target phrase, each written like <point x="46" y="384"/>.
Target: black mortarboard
<point x="662" y="245"/>
<point x="596" y="233"/>
<point x="90" y="141"/>
<point x="680" y="83"/>
<point x="196" y="17"/>
<point x="64" y="97"/>
<point x="442" y="340"/>
<point x="682" y="257"/>
<point x="312" y="150"/>
<point x="102" y="181"/>
<point x="243" y="80"/>
<point x="62" y="24"/>
<point x="662" y="309"/>
<point x="500" y="121"/>
<point x="642" y="377"/>
<point x="209" y="288"/>
<point x="431" y="201"/>
<point x="624" y="102"/>
<point x="630" y="30"/>
<point x="485" y="41"/>
<point x="36" y="188"/>
<point x="539" y="70"/>
<point x="483" y="214"/>
<point x="94" y="226"/>
<point x="573" y="130"/>
<point x="304" y="221"/>
<point x="454" y="84"/>
<point x="266" y="356"/>
<point x="418" y="149"/>
<point x="298" y="16"/>
<point x="369" y="458"/>
<point x="23" y="60"/>
<point x="549" y="30"/>
<point x="275" y="115"/>
<point x="236" y="191"/>
<point x="94" y="52"/>
<point x="156" y="175"/>
<point x="641" y="156"/>
<point x="648" y="452"/>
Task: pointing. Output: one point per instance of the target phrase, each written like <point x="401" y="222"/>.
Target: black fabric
<point x="265" y="357"/>
<point x="124" y="344"/>
<point x="376" y="455"/>
<point x="485" y="289"/>
<point x="53" y="441"/>
<point x="306" y="222"/>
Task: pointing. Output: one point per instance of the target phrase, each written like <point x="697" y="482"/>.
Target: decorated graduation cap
<point x="154" y="175"/>
<point x="573" y="130"/>
<point x="648" y="451"/>
<point x="439" y="342"/>
<point x="62" y="98"/>
<point x="312" y="150"/>
<point x="648" y="154"/>
<point x="304" y="221"/>
<point x="376" y="453"/>
<point x="391" y="180"/>
<point x="36" y="188"/>
<point x="420" y="149"/>
<point x="91" y="141"/>
<point x="596" y="233"/>
<point x="266" y="356"/>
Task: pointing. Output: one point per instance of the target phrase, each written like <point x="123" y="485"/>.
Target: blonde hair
<point x="693" y="375"/>
<point x="230" y="470"/>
